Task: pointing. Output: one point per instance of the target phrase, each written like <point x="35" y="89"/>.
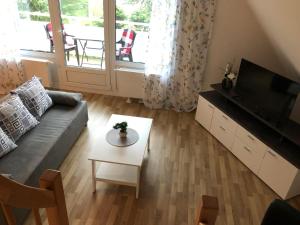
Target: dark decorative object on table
<point x="227" y="82"/>
<point x="123" y="129"/>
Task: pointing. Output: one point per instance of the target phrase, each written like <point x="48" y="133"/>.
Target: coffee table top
<point x="130" y="155"/>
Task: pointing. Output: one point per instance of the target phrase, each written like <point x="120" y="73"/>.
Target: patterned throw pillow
<point x="15" y="119"/>
<point x="6" y="145"/>
<point x="34" y="97"/>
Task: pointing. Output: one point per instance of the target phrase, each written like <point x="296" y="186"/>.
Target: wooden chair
<point x="208" y="211"/>
<point x="50" y="196"/>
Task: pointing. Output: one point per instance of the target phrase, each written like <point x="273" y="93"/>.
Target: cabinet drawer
<point x="249" y="140"/>
<point x="225" y="121"/>
<point x="226" y="137"/>
<point x="277" y="173"/>
<point x="249" y="155"/>
<point x="204" y="113"/>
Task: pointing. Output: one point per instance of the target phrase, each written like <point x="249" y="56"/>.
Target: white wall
<point x="280" y="20"/>
<point x="250" y="29"/>
<point x="237" y="33"/>
<point x="124" y="83"/>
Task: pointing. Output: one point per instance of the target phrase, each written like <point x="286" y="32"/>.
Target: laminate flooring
<point x="185" y="162"/>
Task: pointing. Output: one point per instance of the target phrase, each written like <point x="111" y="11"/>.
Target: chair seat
<point x="122" y="53"/>
<point x="70" y="47"/>
<point x="126" y="51"/>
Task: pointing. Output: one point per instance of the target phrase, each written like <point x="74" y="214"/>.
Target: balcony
<point x="33" y="37"/>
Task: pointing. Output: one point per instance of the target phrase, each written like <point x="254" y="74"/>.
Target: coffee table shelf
<point x="117" y="174"/>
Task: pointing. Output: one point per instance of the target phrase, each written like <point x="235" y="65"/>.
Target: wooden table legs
<point x="138" y="182"/>
<point x="94" y="175"/>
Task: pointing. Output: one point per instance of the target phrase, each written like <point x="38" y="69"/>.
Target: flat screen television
<point x="265" y="93"/>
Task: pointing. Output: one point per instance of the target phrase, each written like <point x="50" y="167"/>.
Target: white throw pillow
<point x="34" y="97"/>
<point x="15" y="119"/>
<point x="6" y="145"/>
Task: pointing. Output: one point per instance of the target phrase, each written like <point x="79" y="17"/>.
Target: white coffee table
<point x="121" y="165"/>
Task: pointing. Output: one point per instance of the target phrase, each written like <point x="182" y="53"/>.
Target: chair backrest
<point x="48" y="29"/>
<point x="208" y="211"/>
<point x="49" y="33"/>
<point x="50" y="196"/>
<point x="128" y="37"/>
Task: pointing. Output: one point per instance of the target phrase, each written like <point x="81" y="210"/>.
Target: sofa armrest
<point x="281" y="213"/>
<point x="9" y="176"/>
<point x="64" y="98"/>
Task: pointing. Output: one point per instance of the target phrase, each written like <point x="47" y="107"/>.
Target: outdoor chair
<point x="126" y="42"/>
<point x="68" y="46"/>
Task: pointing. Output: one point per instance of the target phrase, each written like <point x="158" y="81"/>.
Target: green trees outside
<point x="142" y="16"/>
<point x="80" y="8"/>
<point x="34" y="6"/>
<point x="143" y="13"/>
<point x="120" y="14"/>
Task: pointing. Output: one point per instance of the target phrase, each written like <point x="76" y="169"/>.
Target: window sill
<point x="37" y="55"/>
<point x="131" y="70"/>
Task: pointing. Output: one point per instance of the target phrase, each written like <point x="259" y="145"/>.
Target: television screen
<point x="264" y="92"/>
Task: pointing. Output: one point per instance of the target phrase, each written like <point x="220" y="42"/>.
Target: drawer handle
<point x="247" y="149"/>
<point x="272" y="154"/>
<point x="210" y="106"/>
<point x="222" y="128"/>
<point x="251" y="138"/>
<point x="225" y="117"/>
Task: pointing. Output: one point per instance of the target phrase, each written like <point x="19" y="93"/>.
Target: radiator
<point x="39" y="68"/>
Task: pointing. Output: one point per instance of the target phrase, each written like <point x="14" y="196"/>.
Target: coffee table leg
<point x="138" y="182"/>
<point x="148" y="143"/>
<point x="94" y="175"/>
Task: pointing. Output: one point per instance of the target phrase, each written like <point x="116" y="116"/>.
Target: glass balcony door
<point x="80" y="36"/>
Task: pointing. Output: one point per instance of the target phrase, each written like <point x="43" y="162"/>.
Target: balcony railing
<point x="92" y="27"/>
<point x="90" y="21"/>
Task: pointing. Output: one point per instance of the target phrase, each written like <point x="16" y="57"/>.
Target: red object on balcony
<point x="127" y="42"/>
<point x="68" y="46"/>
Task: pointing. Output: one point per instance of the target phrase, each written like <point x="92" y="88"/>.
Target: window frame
<point x="114" y="64"/>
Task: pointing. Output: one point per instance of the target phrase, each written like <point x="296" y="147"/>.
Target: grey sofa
<point x="45" y="146"/>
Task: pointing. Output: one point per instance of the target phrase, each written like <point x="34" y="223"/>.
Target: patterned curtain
<point x="179" y="37"/>
<point x="11" y="70"/>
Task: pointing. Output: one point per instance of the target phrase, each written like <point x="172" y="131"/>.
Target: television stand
<point x="289" y="129"/>
<point x="272" y="156"/>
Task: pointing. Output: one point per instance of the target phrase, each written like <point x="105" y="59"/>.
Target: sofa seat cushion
<point x="45" y="146"/>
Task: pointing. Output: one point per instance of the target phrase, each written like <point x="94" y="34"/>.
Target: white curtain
<point x="11" y="70"/>
<point x="179" y="37"/>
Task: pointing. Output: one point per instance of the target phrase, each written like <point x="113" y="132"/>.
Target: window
<point x="83" y="25"/>
<point x="34" y="15"/>
<point x="132" y="30"/>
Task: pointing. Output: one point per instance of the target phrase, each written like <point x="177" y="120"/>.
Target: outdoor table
<point x="83" y="41"/>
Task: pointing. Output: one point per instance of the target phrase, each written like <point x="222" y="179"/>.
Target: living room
<point x="99" y="60"/>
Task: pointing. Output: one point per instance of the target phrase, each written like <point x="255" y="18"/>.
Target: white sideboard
<point x="278" y="173"/>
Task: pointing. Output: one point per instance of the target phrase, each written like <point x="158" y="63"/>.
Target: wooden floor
<point x="185" y="162"/>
